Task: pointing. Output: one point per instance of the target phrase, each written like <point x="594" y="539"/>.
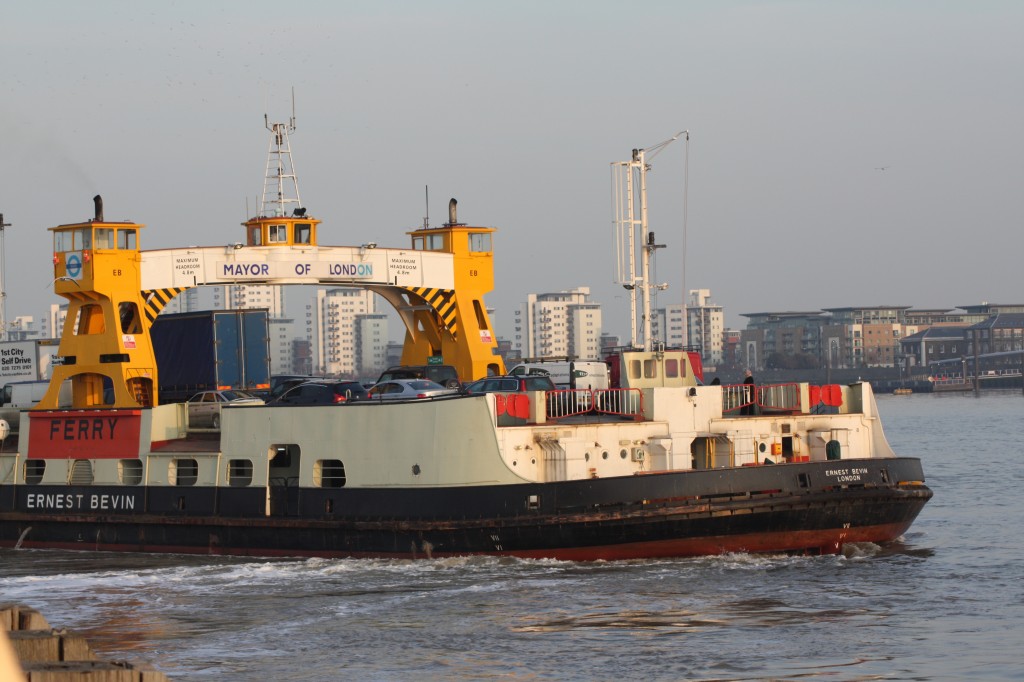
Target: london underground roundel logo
<point x="74" y="266"/>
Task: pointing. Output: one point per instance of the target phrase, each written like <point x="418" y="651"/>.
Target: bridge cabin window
<point x="72" y="240"/>
<point x="430" y="242"/>
<point x="480" y="242"/>
<point x="127" y="240"/>
<point x="277" y="234"/>
<point x="104" y="238"/>
<point x="303" y="233"/>
<point x="255" y="235"/>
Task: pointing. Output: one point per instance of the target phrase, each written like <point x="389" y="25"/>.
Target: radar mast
<point x="281" y="185"/>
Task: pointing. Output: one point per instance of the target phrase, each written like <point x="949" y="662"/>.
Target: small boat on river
<point x="658" y="465"/>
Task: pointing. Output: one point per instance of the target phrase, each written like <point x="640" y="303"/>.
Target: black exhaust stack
<point x="98" y="202"/>
<point x="452" y="212"/>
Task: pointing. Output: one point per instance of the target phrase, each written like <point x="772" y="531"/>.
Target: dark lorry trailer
<point x="211" y="350"/>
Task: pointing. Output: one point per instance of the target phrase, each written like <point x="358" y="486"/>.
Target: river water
<point x="946" y="603"/>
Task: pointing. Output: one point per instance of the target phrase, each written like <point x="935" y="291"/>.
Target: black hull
<point x="809" y="507"/>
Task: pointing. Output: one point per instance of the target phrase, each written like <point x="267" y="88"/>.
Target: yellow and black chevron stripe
<point x="443" y="303"/>
<point x="157" y="299"/>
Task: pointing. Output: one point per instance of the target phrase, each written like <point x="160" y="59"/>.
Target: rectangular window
<point x="104" y="238"/>
<point x="34" y="470"/>
<point x="183" y="472"/>
<point x="83" y="238"/>
<point x="278" y="234"/>
<point x="329" y="473"/>
<point x="126" y="239"/>
<point x="480" y="243"/>
<point x="239" y="472"/>
<point x="129" y="471"/>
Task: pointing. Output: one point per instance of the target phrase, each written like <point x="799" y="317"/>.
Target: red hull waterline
<point x="811" y="542"/>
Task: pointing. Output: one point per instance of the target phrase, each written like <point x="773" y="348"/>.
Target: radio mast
<point x="633" y="239"/>
<point x="281" y="185"/>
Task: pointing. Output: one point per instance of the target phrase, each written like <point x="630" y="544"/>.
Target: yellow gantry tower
<point x="452" y="326"/>
<point x="105" y="348"/>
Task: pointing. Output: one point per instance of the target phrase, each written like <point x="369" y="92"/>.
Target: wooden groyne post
<point x="32" y="651"/>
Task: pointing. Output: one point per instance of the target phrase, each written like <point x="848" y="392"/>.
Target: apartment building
<point x="349" y="337"/>
<point x="562" y="324"/>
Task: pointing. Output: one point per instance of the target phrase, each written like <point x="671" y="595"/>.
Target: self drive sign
<point x="18" y="360"/>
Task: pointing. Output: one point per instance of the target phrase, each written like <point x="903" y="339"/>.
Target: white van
<point x="579" y="374"/>
<point x="22" y="395"/>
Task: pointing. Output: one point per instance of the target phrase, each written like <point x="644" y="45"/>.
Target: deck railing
<point x="621" y="402"/>
<point x="749" y="399"/>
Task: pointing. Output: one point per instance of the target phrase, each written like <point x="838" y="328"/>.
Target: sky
<point x="841" y="153"/>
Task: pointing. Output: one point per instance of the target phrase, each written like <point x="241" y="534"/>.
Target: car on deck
<point x="204" y="407"/>
<point x="511" y="384"/>
<point x="442" y="374"/>
<point x="322" y="393"/>
<point x="410" y="389"/>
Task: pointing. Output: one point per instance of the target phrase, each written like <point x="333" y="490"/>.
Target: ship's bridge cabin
<point x="104" y="344"/>
<point x="294" y="230"/>
<point x="472" y="247"/>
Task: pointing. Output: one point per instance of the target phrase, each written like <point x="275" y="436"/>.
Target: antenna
<point x="280" y="169"/>
<point x="634" y="241"/>
<point x="3" y="277"/>
<point x="426" y="210"/>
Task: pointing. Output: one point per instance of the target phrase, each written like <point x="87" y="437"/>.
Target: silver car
<point x="409" y="389"/>
<point x="204" y="408"/>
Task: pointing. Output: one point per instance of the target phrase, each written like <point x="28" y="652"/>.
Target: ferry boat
<point x="660" y="465"/>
